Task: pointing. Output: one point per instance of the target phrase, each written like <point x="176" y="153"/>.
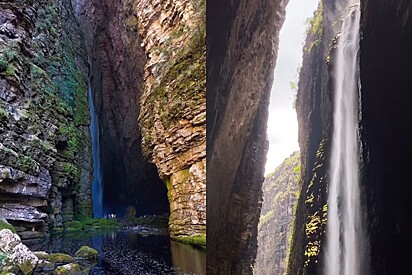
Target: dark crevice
<point x="117" y="70"/>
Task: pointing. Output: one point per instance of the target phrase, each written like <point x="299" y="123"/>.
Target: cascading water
<point x="97" y="185"/>
<point x="346" y="249"/>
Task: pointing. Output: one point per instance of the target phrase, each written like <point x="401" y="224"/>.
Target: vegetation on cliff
<point x="43" y="117"/>
<point x="281" y="190"/>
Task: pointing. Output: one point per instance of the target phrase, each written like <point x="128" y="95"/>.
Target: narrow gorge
<point x="352" y="211"/>
<point x="103" y="114"/>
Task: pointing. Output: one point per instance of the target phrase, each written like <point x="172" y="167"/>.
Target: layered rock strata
<point x="44" y="139"/>
<point x="149" y="71"/>
<point x="173" y="106"/>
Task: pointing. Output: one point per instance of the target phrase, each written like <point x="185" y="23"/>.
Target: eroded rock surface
<point x="156" y="50"/>
<point x="15" y="257"/>
<point x="173" y="106"/>
<point x="44" y="139"/>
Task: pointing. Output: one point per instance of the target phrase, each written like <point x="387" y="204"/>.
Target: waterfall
<point x="346" y="250"/>
<point x="97" y="185"/>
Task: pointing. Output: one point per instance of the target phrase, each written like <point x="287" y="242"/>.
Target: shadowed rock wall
<point x="242" y="44"/>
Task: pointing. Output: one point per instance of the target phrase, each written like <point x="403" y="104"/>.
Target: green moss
<point x="89" y="224"/>
<point x="60" y="258"/>
<point x="73" y="140"/>
<point x="10" y="71"/>
<point x="196" y="240"/>
<point x="86" y="252"/>
<point x="3" y="114"/>
<point x="6" y="225"/>
<point x="7" y="57"/>
<point x="26" y="163"/>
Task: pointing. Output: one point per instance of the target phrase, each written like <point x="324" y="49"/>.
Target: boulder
<point x="15" y="257"/>
<point x="68" y="269"/>
<point x="86" y="252"/>
<point x="60" y="258"/>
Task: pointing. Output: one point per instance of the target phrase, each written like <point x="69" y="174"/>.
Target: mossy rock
<point x="41" y="255"/>
<point x="68" y="269"/>
<point x="26" y="267"/>
<point x="195" y="240"/>
<point x="5" y="225"/>
<point x="60" y="258"/>
<point x="86" y="252"/>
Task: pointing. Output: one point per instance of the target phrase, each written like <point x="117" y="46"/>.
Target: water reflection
<point x="127" y="252"/>
<point x="196" y="264"/>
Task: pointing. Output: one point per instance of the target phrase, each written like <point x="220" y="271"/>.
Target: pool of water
<point x="128" y="252"/>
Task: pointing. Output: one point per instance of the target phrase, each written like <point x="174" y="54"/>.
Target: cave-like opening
<point x="117" y="62"/>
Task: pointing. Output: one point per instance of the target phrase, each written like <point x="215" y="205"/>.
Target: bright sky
<point x="282" y="124"/>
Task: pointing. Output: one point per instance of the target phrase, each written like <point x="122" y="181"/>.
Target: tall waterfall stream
<point x="346" y="236"/>
<point x="97" y="185"/>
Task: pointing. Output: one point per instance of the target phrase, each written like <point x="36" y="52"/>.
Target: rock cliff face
<point x="173" y="106"/>
<point x="117" y="69"/>
<point x="241" y="52"/>
<point x="147" y="60"/>
<point x="280" y="193"/>
<point x="386" y="83"/>
<point x="149" y="71"/>
<point x="384" y="60"/>
<point x="45" y="158"/>
<point x="313" y="106"/>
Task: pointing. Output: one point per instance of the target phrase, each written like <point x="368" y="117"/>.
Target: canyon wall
<point x="45" y="155"/>
<point x="386" y="35"/>
<point x="281" y="190"/>
<point x="117" y="70"/>
<point x="148" y="71"/>
<point x="173" y="106"/>
<point x="242" y="45"/>
<point x="385" y="59"/>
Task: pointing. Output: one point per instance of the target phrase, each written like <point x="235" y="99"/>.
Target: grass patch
<point x="196" y="240"/>
<point x="91" y="224"/>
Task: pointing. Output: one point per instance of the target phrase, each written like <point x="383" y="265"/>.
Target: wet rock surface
<point x="385" y="59"/>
